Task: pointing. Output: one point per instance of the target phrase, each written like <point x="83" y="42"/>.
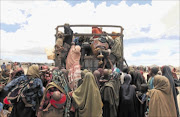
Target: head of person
<point x="161" y="83"/>
<point x="139" y="75"/>
<point x="127" y="79"/>
<point x="101" y="71"/>
<point x="77" y="48"/>
<point x="33" y="71"/>
<point x="154" y="71"/>
<point x="174" y="69"/>
<point x="17" y="73"/>
<point x="165" y="69"/>
<point x="97" y="74"/>
<point x="125" y="70"/>
<point x="3" y="62"/>
<point x="144" y="88"/>
<point x="106" y="74"/>
<point x="44" y="68"/>
<point x="133" y="76"/>
<point x="56" y="95"/>
<point x="115" y="75"/>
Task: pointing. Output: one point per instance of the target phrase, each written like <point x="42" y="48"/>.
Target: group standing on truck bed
<point x="70" y="91"/>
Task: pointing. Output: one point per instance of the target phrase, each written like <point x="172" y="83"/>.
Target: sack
<point x="117" y="47"/>
<point x="97" y="44"/>
<point x="50" y="53"/>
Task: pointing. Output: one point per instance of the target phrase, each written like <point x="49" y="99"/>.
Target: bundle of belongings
<point x="105" y="48"/>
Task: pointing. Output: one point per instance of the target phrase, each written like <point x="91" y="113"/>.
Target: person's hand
<point x="70" y="93"/>
<point x="147" y="93"/>
<point x="45" y="110"/>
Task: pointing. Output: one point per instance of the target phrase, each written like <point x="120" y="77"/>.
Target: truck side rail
<point x="89" y="34"/>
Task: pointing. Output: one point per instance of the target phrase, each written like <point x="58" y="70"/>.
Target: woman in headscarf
<point x="133" y="75"/>
<point x="166" y="71"/>
<point x="110" y="96"/>
<point x="161" y="99"/>
<point x="139" y="80"/>
<point x="26" y="92"/>
<point x="153" y="72"/>
<point x="73" y="65"/>
<point x="87" y="98"/>
<point x="127" y="96"/>
<point x="50" y="107"/>
<point x="125" y="71"/>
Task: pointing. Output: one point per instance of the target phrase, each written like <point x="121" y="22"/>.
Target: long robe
<point x="127" y="103"/>
<point x="166" y="71"/>
<point x="161" y="99"/>
<point x="73" y="65"/>
<point x="87" y="98"/>
<point x="110" y="97"/>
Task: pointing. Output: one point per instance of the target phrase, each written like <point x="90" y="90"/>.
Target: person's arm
<point x="14" y="83"/>
<point x="39" y="83"/>
<point x="47" y="108"/>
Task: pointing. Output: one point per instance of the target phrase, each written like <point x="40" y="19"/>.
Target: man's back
<point x="3" y="67"/>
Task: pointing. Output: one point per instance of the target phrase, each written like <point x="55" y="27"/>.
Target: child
<point x="57" y="100"/>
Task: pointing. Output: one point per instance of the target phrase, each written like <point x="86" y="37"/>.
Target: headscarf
<point x="161" y="99"/>
<point x="85" y="71"/>
<point x="101" y="71"/>
<point x="154" y="70"/>
<point x="88" y="98"/>
<point x="126" y="85"/>
<point x="33" y="71"/>
<point x="133" y="75"/>
<point x="166" y="71"/>
<point x="139" y="80"/>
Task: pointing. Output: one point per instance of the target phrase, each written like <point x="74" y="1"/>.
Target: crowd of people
<point x="71" y="91"/>
<point x="45" y="92"/>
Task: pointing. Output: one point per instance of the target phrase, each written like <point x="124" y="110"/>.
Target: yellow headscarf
<point x="33" y="71"/>
<point x="161" y="99"/>
<point x="88" y="98"/>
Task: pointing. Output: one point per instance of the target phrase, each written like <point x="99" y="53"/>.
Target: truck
<point x="92" y="57"/>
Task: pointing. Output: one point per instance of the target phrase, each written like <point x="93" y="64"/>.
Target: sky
<point x="151" y="28"/>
